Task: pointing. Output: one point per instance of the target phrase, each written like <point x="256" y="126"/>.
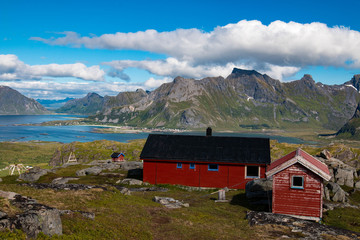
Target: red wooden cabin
<point x="204" y="161"/>
<point x="298" y="185"/>
<point x="117" y="157"/>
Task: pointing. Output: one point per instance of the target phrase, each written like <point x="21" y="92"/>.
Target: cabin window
<point x="192" y="166"/>
<point x="179" y="165"/>
<point x="297" y="182"/>
<point x="252" y="172"/>
<point x="213" y="167"/>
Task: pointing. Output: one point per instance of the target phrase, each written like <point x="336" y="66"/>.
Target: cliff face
<point x="245" y="98"/>
<point x="351" y="129"/>
<point x="14" y="103"/>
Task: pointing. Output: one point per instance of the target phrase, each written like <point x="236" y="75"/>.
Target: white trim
<point x="302" y="161"/>
<point x="281" y="167"/>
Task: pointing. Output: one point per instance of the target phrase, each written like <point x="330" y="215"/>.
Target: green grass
<point x="27" y="153"/>
<point x="138" y="217"/>
<point x="97" y="150"/>
<point x="346" y="218"/>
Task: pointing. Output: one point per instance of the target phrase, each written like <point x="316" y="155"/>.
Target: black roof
<point x="207" y="149"/>
<point x="115" y="155"/>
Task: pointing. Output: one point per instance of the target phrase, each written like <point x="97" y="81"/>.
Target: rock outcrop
<point x="333" y="192"/>
<point x="89" y="171"/>
<point x="35" y="217"/>
<point x="33" y="174"/>
<point x="307" y="229"/>
<point x="259" y="191"/>
<point x="170" y="202"/>
<point x="341" y="173"/>
<point x="132" y="181"/>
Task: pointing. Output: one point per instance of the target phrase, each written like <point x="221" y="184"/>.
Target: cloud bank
<point x="279" y="43"/>
<point x="11" y="68"/>
<point x="60" y="90"/>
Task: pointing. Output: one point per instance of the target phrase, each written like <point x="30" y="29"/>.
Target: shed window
<point x="297" y="182"/>
<point x="179" y="165"/>
<point x="213" y="167"/>
<point x="192" y="166"/>
<point x="252" y="171"/>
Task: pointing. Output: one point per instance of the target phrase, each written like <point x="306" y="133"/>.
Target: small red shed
<point x="204" y="161"/>
<point x="117" y="157"/>
<point x="298" y="185"/>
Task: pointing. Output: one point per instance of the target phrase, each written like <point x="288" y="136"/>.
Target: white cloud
<point x="153" y="83"/>
<point x="11" y="68"/>
<point x="279" y="43"/>
<point x="172" y="67"/>
<point x="61" y="90"/>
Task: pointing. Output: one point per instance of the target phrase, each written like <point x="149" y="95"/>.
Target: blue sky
<point x="55" y="49"/>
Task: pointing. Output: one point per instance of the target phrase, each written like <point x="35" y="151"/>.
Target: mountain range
<point x="245" y="99"/>
<point x="52" y="104"/>
<point x="14" y="103"/>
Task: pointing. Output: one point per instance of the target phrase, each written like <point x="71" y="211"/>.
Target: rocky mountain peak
<point x="179" y="79"/>
<point x="308" y="78"/>
<point x="90" y="95"/>
<point x="242" y="72"/>
<point x="14" y="103"/>
<point x="140" y="90"/>
<point x="355" y="81"/>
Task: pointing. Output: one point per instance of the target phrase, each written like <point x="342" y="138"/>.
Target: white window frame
<point x="253" y="177"/>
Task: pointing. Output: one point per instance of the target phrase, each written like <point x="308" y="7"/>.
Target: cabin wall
<point x="302" y="202"/>
<point x="166" y="172"/>
<point x="149" y="172"/>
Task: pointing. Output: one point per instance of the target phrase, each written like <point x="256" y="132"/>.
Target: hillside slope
<point x="14" y="103"/>
<point x="88" y="105"/>
<point x="351" y="129"/>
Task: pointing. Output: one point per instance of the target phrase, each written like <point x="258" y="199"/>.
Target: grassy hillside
<point x="136" y="216"/>
<point x="26" y="152"/>
<point x="96" y="150"/>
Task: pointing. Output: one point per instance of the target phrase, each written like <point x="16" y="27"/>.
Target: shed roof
<point x="116" y="155"/>
<point x="302" y="157"/>
<point x="207" y="149"/>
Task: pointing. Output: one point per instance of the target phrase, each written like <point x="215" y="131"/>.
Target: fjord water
<point x="9" y="131"/>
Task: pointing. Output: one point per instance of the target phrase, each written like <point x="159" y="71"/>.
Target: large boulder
<point x="340" y="172"/>
<point x="63" y="180"/>
<point x="33" y="219"/>
<point x="170" y="202"/>
<point x="259" y="188"/>
<point x="131" y="181"/>
<point x="41" y="219"/>
<point x="96" y="170"/>
<point x="33" y="174"/>
<point x="344" y="176"/>
<point x="325" y="154"/>
<point x="333" y="192"/>
<point x="131" y="165"/>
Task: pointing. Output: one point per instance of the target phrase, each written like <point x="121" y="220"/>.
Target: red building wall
<point x="301" y="202"/>
<point x="166" y="172"/>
